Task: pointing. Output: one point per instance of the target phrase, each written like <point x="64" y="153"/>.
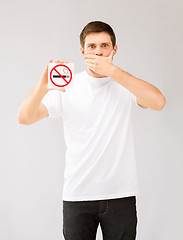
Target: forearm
<point x="148" y="94"/>
<point x="29" y="108"/>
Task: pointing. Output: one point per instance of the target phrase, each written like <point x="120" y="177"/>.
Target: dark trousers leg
<point x="80" y="220"/>
<point x="119" y="221"/>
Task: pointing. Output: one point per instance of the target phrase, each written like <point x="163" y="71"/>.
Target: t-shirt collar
<point x="96" y="81"/>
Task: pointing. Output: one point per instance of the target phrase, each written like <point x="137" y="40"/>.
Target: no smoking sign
<point x="60" y="75"/>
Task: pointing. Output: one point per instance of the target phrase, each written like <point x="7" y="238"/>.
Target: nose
<point x="98" y="51"/>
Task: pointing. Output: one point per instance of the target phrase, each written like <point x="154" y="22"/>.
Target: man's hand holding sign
<point x="44" y="78"/>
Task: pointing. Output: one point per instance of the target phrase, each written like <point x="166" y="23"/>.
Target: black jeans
<point x="117" y="218"/>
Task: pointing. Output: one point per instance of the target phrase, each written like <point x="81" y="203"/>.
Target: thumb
<point x="112" y="54"/>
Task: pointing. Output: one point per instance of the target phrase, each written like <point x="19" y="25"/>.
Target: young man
<point x="100" y="178"/>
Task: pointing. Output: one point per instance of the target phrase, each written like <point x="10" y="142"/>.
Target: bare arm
<point x="148" y="96"/>
<point x="32" y="109"/>
<point x="29" y="109"/>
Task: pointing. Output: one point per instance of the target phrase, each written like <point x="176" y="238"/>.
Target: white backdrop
<point x="149" y="39"/>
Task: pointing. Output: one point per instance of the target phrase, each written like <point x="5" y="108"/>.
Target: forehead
<point x="98" y="38"/>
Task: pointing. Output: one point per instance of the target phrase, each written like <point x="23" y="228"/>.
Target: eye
<point x="105" y="45"/>
<point x="91" y="46"/>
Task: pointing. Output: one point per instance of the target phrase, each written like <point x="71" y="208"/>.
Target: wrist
<point x="42" y="87"/>
<point x="111" y="71"/>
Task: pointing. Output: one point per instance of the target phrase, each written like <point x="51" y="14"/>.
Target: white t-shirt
<point x="100" y="154"/>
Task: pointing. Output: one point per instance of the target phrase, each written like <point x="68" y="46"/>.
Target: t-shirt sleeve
<point x="134" y="100"/>
<point x="53" y="102"/>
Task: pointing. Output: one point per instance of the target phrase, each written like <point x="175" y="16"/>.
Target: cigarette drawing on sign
<point x="66" y="71"/>
<point x="60" y="75"/>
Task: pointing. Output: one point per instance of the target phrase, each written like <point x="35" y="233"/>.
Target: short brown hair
<point x="97" y="26"/>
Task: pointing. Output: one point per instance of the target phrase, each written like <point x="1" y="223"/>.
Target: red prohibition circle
<point x="67" y="82"/>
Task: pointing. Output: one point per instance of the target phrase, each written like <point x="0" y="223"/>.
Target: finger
<point x="112" y="54"/>
<point x="47" y="64"/>
<point x="57" y="61"/>
<point x="92" y="68"/>
<point x="90" y="64"/>
<point x="59" y="89"/>
<point x="93" y="56"/>
<point x="62" y="90"/>
<point x="90" y="61"/>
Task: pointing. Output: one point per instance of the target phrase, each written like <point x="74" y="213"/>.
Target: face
<point x="99" y="44"/>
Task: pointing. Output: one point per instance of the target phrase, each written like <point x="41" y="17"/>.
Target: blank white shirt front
<point x="100" y="155"/>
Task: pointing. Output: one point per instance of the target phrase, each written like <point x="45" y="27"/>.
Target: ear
<point x="82" y="50"/>
<point x="115" y="48"/>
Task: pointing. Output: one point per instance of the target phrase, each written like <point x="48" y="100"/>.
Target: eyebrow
<point x="102" y="43"/>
